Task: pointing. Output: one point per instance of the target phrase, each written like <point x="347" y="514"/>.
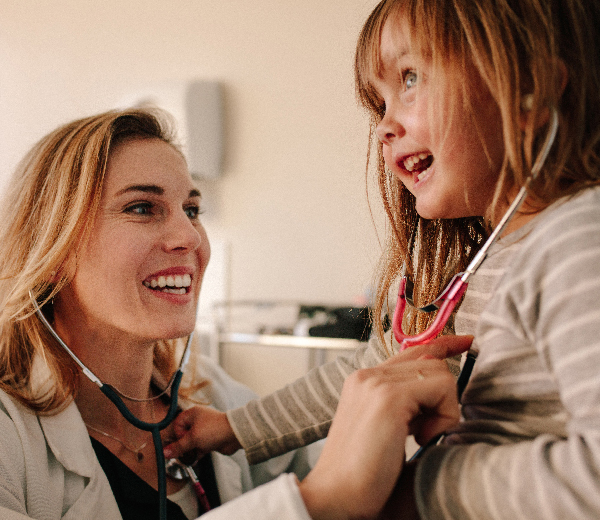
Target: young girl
<point x="461" y="93"/>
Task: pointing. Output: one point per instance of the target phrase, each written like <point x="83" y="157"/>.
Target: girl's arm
<point x="364" y="451"/>
<point x="295" y="416"/>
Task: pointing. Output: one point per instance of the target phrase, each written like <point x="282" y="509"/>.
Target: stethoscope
<point x="446" y="302"/>
<point x="112" y="394"/>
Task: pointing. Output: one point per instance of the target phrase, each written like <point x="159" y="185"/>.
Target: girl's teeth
<point x="413" y="160"/>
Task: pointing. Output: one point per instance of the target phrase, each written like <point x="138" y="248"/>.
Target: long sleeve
<point x="273" y="501"/>
<point x="301" y="412"/>
<point x="529" y="443"/>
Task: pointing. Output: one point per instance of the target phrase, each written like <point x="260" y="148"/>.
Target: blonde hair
<point x="517" y="47"/>
<point x="47" y="213"/>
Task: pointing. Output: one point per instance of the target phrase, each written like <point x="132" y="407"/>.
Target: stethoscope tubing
<point x="111" y="393"/>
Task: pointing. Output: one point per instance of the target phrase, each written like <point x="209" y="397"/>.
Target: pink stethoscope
<point x="448" y="299"/>
<point x="446" y="302"/>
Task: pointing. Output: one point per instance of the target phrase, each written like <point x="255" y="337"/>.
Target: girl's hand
<point x="379" y="407"/>
<point x="200" y="430"/>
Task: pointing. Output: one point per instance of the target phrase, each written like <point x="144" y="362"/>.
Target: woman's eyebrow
<point x="154" y="189"/>
<point x="146" y="188"/>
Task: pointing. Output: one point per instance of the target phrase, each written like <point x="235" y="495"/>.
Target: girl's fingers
<point x="440" y="348"/>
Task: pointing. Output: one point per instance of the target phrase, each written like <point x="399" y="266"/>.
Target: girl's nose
<point x="389" y="128"/>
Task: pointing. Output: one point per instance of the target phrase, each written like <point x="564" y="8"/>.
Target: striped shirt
<point x="529" y="442"/>
<point x="528" y="446"/>
<point x="302" y="412"/>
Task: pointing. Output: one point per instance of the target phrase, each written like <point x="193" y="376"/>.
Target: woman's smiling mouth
<point x="172" y="284"/>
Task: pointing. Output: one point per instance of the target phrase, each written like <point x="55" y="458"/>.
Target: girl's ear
<point x="544" y="114"/>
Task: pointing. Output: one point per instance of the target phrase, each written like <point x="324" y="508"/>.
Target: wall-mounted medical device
<point x="197" y="106"/>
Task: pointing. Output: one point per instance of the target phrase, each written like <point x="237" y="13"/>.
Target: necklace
<point x="136" y="451"/>
<point x="139" y="456"/>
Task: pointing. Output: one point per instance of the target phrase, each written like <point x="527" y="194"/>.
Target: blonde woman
<point x="101" y="229"/>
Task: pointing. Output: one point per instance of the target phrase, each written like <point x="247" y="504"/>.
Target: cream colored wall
<point x="291" y="204"/>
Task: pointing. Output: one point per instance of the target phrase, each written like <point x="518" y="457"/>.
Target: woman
<point x="101" y="227"/>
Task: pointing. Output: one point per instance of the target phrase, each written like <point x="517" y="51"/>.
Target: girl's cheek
<point x="402" y="175"/>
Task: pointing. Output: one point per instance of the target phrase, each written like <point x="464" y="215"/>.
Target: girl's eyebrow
<point x="154" y="189"/>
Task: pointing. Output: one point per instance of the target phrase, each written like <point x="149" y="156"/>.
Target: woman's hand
<point x="200" y="430"/>
<point x="363" y="455"/>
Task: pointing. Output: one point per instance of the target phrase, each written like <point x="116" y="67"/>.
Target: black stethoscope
<point x="113" y="395"/>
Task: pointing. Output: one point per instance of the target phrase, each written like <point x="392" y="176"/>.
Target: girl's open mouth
<point x="418" y="163"/>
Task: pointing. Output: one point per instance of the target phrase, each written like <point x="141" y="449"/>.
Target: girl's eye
<point x="410" y="79"/>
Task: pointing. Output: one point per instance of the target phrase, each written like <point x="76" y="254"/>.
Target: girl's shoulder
<point x="569" y="218"/>
<point x="567" y="233"/>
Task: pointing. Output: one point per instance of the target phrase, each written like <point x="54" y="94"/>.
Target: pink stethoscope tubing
<point x="458" y="285"/>
<point x="450" y="298"/>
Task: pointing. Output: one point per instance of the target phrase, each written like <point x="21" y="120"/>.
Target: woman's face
<point x="140" y="272"/>
<point x="451" y="175"/>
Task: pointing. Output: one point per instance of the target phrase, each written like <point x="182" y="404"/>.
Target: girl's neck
<point x="527" y="212"/>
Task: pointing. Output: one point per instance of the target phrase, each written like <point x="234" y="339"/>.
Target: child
<point x="460" y="93"/>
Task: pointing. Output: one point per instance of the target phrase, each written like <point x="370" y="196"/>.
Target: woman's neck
<point x="129" y="372"/>
<point x="116" y="359"/>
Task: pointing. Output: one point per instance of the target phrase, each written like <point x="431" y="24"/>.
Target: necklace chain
<point x="147" y="399"/>
<point x="136" y="451"/>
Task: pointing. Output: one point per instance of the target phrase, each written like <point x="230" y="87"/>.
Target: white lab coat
<point x="49" y="471"/>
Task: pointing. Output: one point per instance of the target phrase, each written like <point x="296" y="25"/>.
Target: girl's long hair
<point x="518" y="48"/>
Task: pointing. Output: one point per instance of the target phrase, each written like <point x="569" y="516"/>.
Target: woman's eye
<point x="410" y="79"/>
<point x="193" y="212"/>
<point x="140" y="208"/>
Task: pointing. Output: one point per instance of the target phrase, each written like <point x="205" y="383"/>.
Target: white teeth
<point x="176" y="284"/>
<point x="413" y="160"/>
<point x="421" y="175"/>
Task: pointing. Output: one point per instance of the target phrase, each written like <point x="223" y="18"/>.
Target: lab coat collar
<point x="69" y="440"/>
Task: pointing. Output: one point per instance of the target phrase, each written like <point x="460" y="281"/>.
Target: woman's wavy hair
<point x="46" y="215"/>
<point x="518" y="48"/>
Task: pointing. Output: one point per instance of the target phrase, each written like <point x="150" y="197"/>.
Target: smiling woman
<point x="101" y="235"/>
<point x="146" y="233"/>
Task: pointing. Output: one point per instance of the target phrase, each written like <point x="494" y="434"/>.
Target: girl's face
<point x="452" y="165"/>
<point x="140" y="272"/>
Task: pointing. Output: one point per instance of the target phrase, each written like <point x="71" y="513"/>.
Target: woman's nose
<point x="389" y="128"/>
<point x="182" y="234"/>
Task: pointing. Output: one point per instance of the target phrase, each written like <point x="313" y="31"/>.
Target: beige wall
<point x="291" y="204"/>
